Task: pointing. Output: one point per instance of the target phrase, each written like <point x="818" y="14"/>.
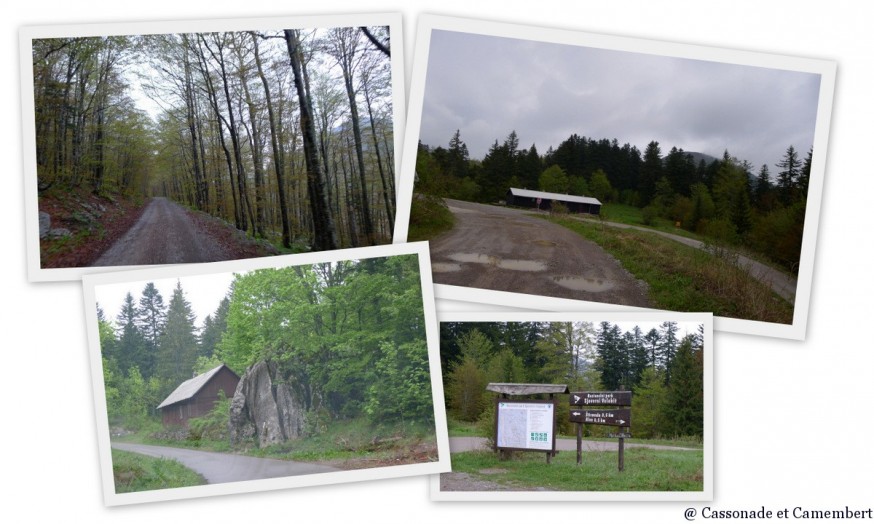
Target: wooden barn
<point x="196" y="396"/>
<point x="543" y="200"/>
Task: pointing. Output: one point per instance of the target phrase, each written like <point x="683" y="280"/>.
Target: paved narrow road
<point x="225" y="467"/>
<point x="164" y="234"/>
<point x="493" y="247"/>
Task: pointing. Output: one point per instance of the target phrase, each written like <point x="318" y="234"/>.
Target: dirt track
<point x="502" y="249"/>
<point x="164" y="234"/>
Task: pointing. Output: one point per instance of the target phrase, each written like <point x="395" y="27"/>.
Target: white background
<point x="793" y="420"/>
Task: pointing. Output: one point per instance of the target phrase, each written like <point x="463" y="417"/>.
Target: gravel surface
<point x="498" y="248"/>
<point x="165" y="234"/>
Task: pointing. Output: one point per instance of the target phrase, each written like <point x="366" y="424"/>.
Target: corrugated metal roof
<point x="189" y="388"/>
<point x="526" y="389"/>
<point x="527" y="193"/>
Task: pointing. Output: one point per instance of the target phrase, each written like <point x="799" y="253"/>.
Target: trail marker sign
<point x="603" y="417"/>
<point x="601" y="398"/>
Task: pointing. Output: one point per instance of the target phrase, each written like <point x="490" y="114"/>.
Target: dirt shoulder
<point x="84" y="225"/>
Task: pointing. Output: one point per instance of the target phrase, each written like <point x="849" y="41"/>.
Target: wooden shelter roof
<point x="526" y="389"/>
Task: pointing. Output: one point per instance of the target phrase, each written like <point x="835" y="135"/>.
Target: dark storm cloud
<point x="489" y="86"/>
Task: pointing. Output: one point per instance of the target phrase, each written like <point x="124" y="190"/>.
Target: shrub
<point x="213" y="425"/>
<point x="557" y="208"/>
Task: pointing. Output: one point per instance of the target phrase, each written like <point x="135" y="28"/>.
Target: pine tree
<point x="668" y="348"/>
<point x="650" y="171"/>
<point x="612" y="361"/>
<point x="131" y="348"/>
<point x="214" y="327"/>
<point x="684" y="402"/>
<point x="150" y="319"/>
<point x="177" y="350"/>
<point x="789" y="175"/>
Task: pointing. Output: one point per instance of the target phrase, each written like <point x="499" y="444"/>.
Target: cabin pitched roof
<point x="190" y="387"/>
<point x="528" y="193"/>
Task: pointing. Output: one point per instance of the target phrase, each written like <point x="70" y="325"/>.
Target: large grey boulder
<point x="45" y="224"/>
<point x="264" y="409"/>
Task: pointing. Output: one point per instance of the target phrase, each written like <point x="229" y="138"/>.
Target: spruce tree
<point x="177" y="349"/>
<point x="150" y="319"/>
<point x="789" y="175"/>
<point x="131" y="348"/>
<point x="684" y="403"/>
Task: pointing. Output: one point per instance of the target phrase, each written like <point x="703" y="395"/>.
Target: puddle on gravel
<point x="509" y="264"/>
<point x="522" y="265"/>
<point x="445" y="267"/>
<point x="545" y="243"/>
<point x="475" y="258"/>
<point x="592" y="285"/>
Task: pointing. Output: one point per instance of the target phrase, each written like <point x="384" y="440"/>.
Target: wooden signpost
<point x="604" y="417"/>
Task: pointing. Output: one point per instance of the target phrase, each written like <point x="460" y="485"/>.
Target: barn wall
<point x="203" y="402"/>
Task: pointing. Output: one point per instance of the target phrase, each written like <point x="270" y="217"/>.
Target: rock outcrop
<point x="45" y="227"/>
<point x="264" y="409"/>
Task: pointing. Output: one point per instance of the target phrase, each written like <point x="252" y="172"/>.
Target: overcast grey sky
<point x="488" y="86"/>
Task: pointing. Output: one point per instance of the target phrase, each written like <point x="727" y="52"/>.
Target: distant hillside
<point x="698" y="157"/>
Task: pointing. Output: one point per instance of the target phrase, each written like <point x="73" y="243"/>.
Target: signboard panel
<point x="604" y="417"/>
<point x="526" y="425"/>
<point x="600" y="398"/>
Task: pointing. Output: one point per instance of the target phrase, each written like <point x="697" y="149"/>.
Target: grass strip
<point x="645" y="470"/>
<point x="682" y="278"/>
<point x="134" y="472"/>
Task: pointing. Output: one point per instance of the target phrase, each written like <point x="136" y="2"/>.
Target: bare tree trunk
<point x="278" y="164"/>
<point x="246" y="208"/>
<point x="389" y="200"/>
<point x="346" y="45"/>
<point x="257" y="145"/>
<point x="323" y="223"/>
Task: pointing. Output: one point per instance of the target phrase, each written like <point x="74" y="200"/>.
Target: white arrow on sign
<point x="576" y="413"/>
<point x="576" y="398"/>
<point x="621" y="421"/>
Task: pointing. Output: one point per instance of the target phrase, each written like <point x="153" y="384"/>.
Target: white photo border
<point x="825" y="68"/>
<point x="631" y="496"/>
<point x="27" y="34"/>
<point x="111" y="498"/>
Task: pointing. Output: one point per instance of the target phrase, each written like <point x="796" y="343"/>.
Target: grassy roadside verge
<point x="645" y="470"/>
<point x="429" y="216"/>
<point x="682" y="278"/>
<point x="352" y="444"/>
<point x="135" y="472"/>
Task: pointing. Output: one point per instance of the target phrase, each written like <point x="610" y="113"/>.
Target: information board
<point x="525" y="425"/>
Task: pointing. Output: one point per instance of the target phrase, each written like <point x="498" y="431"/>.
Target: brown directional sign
<point x="600" y="398"/>
<point x="604" y="417"/>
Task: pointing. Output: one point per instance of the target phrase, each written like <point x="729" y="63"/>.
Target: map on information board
<point x="525" y="425"/>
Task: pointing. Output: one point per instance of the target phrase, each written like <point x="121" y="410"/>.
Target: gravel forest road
<point x="502" y="249"/>
<point x="225" y="467"/>
<point x="164" y="234"/>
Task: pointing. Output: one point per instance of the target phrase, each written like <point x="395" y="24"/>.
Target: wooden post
<point x="579" y="444"/>
<point x="621" y="442"/>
